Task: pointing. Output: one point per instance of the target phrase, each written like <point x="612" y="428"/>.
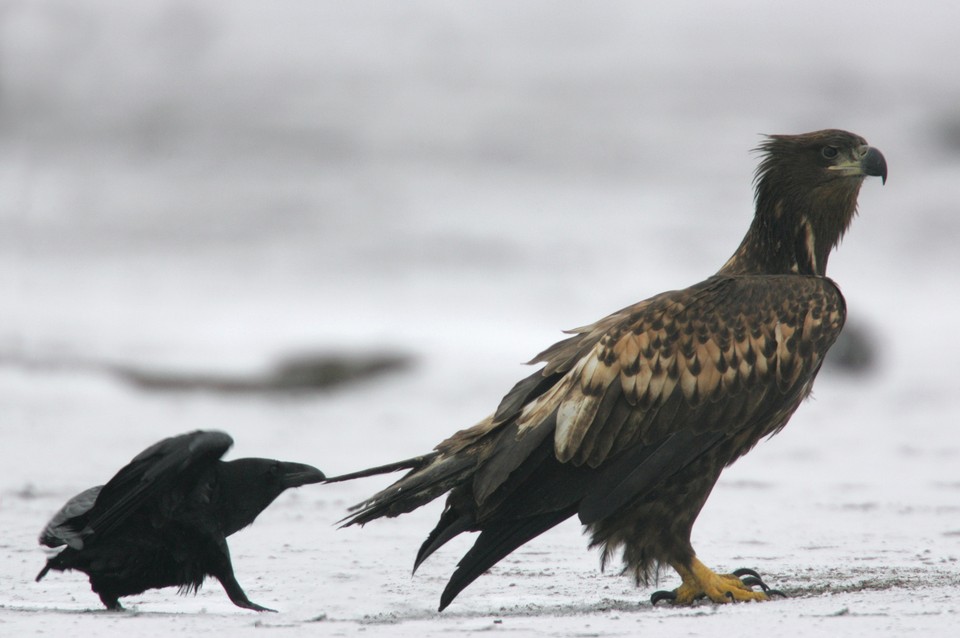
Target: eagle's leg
<point x="699" y="581"/>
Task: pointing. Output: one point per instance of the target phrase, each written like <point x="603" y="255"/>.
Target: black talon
<point x="657" y="596"/>
<point x="752" y="581"/>
<point x="744" y="571"/>
<point x="775" y="592"/>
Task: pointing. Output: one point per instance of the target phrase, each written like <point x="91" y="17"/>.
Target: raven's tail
<point x="54" y="562"/>
<point x="43" y="572"/>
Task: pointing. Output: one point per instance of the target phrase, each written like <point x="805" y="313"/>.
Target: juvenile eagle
<point x="163" y="520"/>
<point x="630" y="421"/>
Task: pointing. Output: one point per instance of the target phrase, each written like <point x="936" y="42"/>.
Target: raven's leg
<point x="699" y="581"/>
<point x="109" y="595"/>
<point x="236" y="593"/>
<point x="223" y="571"/>
<point x="110" y="601"/>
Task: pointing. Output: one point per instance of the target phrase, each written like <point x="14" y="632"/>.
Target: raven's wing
<point x="65" y="526"/>
<point x="171" y="461"/>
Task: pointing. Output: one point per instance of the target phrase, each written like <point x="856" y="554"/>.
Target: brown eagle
<point x="630" y="421"/>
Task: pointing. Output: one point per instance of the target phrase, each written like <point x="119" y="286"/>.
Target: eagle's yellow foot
<point x="699" y="581"/>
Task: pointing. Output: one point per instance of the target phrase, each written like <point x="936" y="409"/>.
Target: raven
<point x="164" y="518"/>
<point x="631" y="420"/>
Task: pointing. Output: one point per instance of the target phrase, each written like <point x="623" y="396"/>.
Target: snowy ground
<point x="210" y="187"/>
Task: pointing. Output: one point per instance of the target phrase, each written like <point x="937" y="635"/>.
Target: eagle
<point x="630" y="420"/>
<point x="164" y="518"/>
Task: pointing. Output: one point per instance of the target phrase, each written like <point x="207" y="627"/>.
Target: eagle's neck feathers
<point x="794" y="230"/>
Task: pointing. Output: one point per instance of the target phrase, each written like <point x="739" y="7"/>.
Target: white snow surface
<point x="211" y="186"/>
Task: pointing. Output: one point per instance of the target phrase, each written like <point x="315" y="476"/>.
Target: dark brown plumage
<point x="631" y="420"/>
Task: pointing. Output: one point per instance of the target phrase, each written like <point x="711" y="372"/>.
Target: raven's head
<point x="249" y="486"/>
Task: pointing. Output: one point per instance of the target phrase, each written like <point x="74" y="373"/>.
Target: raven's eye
<point x="830" y="152"/>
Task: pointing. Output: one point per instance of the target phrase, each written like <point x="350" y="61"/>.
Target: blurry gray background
<point x="210" y="183"/>
<point x="192" y="192"/>
<point x="209" y="187"/>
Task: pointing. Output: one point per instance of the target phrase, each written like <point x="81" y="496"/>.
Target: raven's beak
<point x="297" y="474"/>
<point x="873" y="163"/>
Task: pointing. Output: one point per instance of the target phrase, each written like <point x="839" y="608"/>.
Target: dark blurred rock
<point x="855" y="351"/>
<point x="947" y="133"/>
<point x="300" y="374"/>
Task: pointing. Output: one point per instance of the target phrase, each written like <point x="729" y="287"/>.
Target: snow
<point x="214" y="186"/>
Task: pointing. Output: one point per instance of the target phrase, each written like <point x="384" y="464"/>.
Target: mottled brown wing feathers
<point x="683" y="359"/>
<point x="522" y="393"/>
<point x="731" y="356"/>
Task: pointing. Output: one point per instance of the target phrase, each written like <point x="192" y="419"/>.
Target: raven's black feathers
<point x="163" y="519"/>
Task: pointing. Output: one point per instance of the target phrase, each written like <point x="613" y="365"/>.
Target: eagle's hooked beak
<point x="867" y="161"/>
<point x="873" y="163"/>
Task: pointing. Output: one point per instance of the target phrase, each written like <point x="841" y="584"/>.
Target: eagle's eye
<point x="830" y="152"/>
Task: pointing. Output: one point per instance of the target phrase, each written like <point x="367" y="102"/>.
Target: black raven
<point x="163" y="520"/>
<point x="632" y="419"/>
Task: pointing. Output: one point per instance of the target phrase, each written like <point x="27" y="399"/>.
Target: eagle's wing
<point x="163" y="464"/>
<point x="665" y="379"/>
<point x="627" y="403"/>
<point x="618" y="408"/>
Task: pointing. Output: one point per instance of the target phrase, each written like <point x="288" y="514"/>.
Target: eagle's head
<point x="806" y="197"/>
<point x="831" y="157"/>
